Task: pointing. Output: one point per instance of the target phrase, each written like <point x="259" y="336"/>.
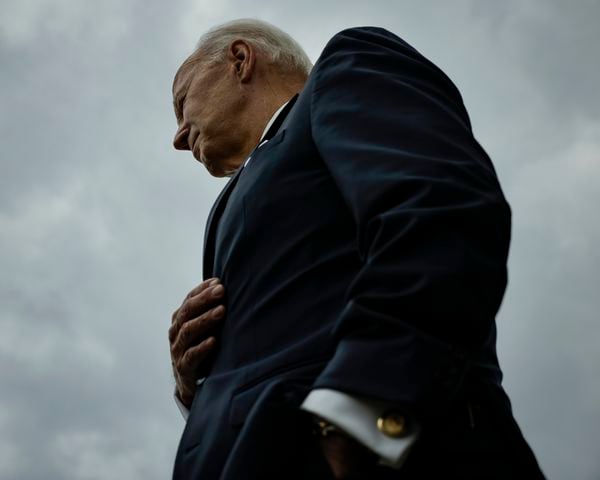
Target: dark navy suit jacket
<point x="363" y="249"/>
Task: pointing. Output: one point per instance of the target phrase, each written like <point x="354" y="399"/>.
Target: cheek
<point x="193" y="115"/>
<point x="216" y="124"/>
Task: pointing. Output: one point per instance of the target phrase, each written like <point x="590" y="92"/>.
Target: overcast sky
<point x="102" y="222"/>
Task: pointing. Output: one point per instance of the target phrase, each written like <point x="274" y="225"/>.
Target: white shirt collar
<point x="275" y="115"/>
<point x="272" y="120"/>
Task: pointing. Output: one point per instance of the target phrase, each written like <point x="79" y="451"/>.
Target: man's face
<point x="208" y="102"/>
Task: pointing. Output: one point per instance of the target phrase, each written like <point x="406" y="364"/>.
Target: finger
<point x="197" y="305"/>
<point x="209" y="282"/>
<point x="191" y="361"/>
<point x="181" y="339"/>
<point x="202" y="302"/>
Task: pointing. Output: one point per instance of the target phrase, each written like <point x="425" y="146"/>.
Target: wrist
<point x="344" y="454"/>
<point x="184" y="396"/>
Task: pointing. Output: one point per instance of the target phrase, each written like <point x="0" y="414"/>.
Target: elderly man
<point x="354" y="264"/>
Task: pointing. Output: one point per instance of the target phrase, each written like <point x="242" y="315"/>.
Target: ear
<point x="242" y="57"/>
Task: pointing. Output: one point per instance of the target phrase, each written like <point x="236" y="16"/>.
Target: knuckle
<point x="188" y="358"/>
<point x="205" y="321"/>
<point x="205" y="295"/>
<point x="180" y="366"/>
<point x="193" y="292"/>
<point x="183" y="333"/>
<point x="202" y="320"/>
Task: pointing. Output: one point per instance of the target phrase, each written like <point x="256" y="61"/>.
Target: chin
<point x="219" y="169"/>
<point x="215" y="171"/>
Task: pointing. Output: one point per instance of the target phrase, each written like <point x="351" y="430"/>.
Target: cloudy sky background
<point x="102" y="222"/>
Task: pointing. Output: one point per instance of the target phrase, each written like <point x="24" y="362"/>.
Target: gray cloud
<point x="102" y="221"/>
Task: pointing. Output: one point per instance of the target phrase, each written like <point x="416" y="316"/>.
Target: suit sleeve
<point x="432" y="224"/>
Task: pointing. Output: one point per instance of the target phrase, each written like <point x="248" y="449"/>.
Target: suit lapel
<point x="211" y="224"/>
<point x="217" y="209"/>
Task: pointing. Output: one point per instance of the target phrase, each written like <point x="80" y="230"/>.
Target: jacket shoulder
<point x="360" y="38"/>
<point x="368" y="51"/>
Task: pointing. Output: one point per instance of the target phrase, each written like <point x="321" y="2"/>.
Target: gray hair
<point x="282" y="50"/>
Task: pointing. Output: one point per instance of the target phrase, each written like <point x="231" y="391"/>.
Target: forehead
<point x="182" y="79"/>
<point x="185" y="73"/>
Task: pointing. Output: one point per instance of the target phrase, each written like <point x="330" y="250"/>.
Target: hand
<point x="347" y="458"/>
<point x="189" y="337"/>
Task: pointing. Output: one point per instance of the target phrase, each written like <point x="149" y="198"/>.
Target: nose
<point x="180" y="142"/>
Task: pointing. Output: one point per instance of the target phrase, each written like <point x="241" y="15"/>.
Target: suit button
<point x="392" y="424"/>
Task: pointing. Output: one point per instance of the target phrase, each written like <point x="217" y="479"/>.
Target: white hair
<point x="282" y="50"/>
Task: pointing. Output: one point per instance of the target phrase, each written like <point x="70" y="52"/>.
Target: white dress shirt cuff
<point x="358" y="418"/>
<point x="185" y="413"/>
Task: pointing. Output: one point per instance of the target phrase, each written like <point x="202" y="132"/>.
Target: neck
<point x="257" y="116"/>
